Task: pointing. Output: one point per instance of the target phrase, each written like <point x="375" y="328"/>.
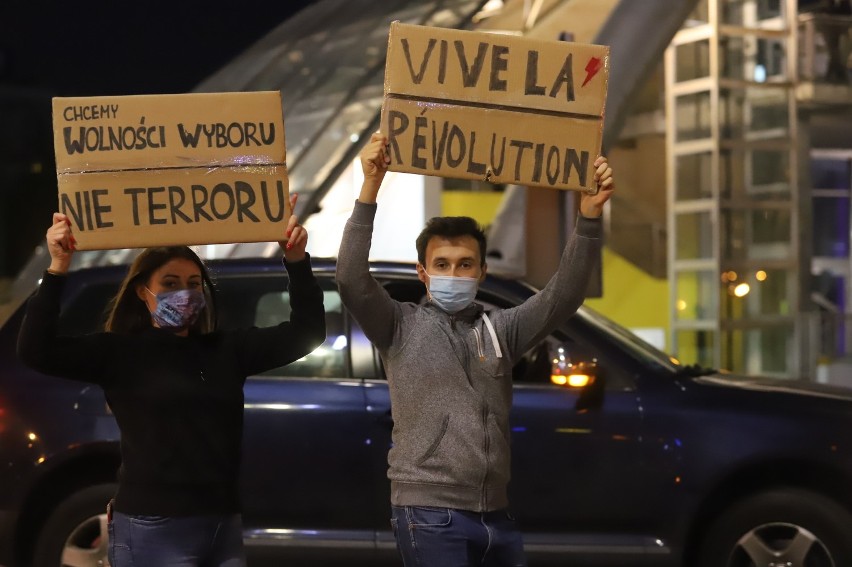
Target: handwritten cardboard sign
<point x="157" y="170"/>
<point x="505" y="109"/>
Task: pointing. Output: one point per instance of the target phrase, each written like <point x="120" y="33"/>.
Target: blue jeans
<point x="163" y="541"/>
<point x="446" y="537"/>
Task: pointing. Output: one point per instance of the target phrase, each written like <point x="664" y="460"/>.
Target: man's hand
<point x="591" y="206"/>
<point x="374" y="163"/>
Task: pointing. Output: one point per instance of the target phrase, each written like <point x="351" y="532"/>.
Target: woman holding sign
<point x="175" y="385"/>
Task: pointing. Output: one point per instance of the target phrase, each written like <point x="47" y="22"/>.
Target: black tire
<point x="76" y="530"/>
<point x="779" y="526"/>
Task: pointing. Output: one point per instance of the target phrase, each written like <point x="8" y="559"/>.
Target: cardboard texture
<point x="521" y="110"/>
<point x="157" y="170"/>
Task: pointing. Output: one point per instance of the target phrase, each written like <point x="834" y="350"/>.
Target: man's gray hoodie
<point x="450" y="391"/>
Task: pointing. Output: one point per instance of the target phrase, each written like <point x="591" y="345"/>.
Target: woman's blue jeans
<point x="164" y="541"/>
<point x="446" y="537"/>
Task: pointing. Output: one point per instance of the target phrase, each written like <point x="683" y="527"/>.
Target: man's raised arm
<point x="363" y="296"/>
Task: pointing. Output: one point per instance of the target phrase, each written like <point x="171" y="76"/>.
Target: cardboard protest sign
<point x="158" y="170"/>
<point x="501" y="108"/>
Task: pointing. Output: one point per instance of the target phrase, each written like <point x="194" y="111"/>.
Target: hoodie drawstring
<point x="494" y="340"/>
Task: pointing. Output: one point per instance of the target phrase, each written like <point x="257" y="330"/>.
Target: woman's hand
<point x="591" y="206"/>
<point x="60" y="244"/>
<point x="297" y="237"/>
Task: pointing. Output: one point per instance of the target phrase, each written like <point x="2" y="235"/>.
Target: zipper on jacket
<point x="483" y="492"/>
<point x="479" y="350"/>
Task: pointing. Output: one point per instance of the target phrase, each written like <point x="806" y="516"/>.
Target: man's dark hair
<point x="450" y="227"/>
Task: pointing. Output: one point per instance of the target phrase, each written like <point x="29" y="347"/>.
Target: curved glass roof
<point x="328" y="61"/>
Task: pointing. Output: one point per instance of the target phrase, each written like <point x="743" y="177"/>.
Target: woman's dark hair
<point x="128" y="314"/>
<point x="450" y="227"/>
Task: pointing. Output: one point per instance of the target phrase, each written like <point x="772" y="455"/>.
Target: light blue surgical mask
<point x="452" y="294"/>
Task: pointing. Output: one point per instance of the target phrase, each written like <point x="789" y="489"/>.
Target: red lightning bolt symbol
<point x="592" y="67"/>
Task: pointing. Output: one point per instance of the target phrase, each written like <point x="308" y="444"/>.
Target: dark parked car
<point x="634" y="460"/>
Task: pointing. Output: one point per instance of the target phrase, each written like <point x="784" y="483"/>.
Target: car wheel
<point x="75" y="534"/>
<point x="780" y="527"/>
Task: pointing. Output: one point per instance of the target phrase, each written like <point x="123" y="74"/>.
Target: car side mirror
<point x="592" y="396"/>
<point x="585" y="377"/>
<point x="574" y="375"/>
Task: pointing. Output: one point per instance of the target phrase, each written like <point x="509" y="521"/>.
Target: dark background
<point x="91" y="48"/>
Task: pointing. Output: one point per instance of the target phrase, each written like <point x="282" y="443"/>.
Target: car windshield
<point x="639" y="348"/>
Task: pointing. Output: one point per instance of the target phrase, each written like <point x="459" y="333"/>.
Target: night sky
<point x="100" y="47"/>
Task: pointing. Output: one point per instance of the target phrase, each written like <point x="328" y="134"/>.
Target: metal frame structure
<point x="736" y="258"/>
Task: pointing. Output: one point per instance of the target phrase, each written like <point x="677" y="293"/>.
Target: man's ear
<point x="421" y="274"/>
<point x="484" y="270"/>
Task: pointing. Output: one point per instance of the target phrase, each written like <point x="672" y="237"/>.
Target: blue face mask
<point x="177" y="309"/>
<point x="452" y="294"/>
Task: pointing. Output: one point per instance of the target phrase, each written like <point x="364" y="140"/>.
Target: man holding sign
<point x="449" y="370"/>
